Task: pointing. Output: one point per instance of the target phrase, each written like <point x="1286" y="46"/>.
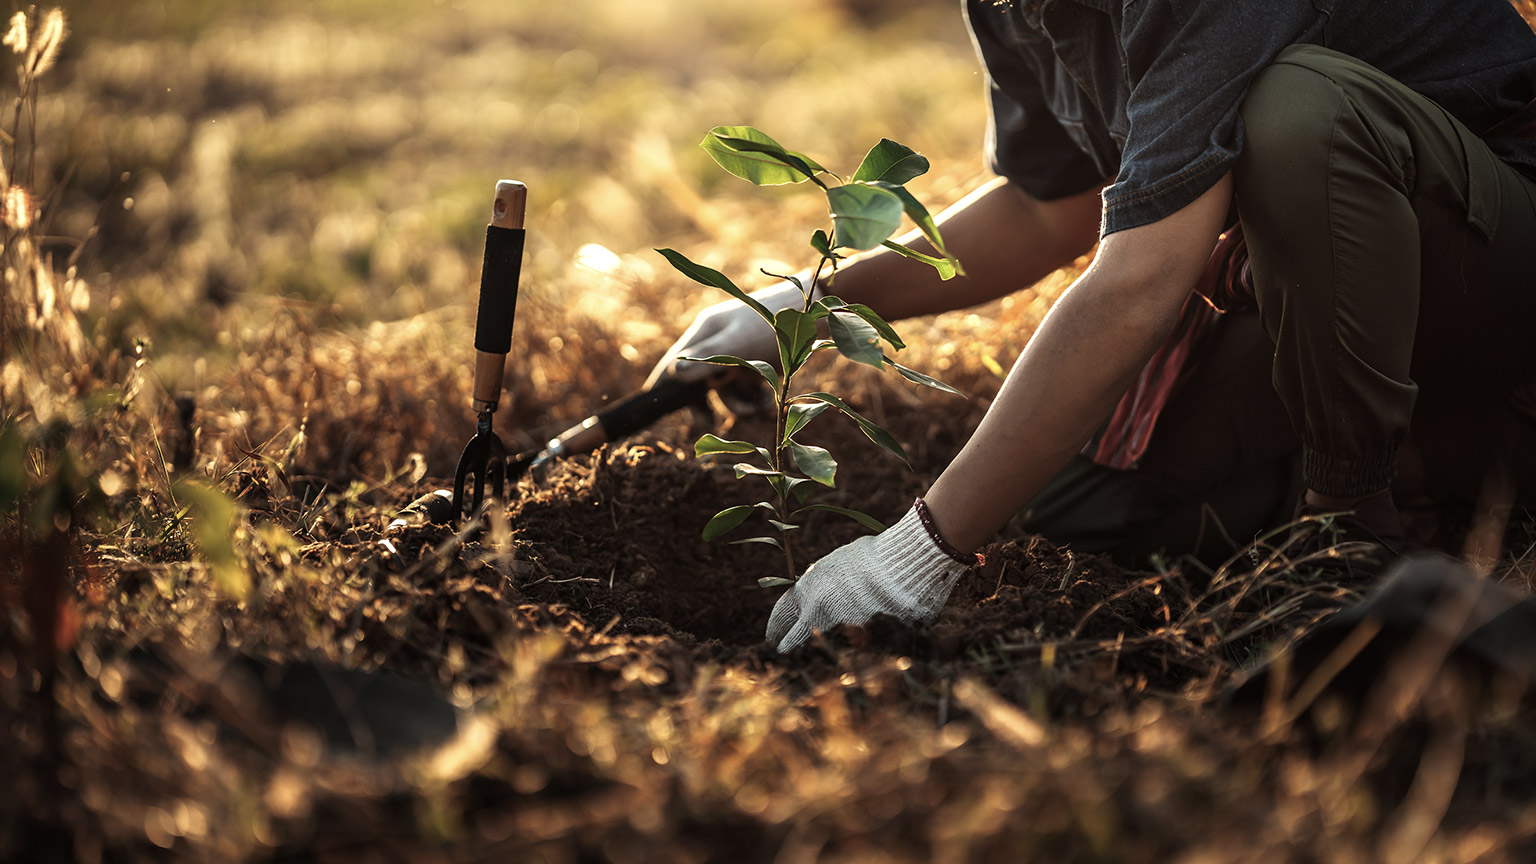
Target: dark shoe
<point x="1350" y="547"/>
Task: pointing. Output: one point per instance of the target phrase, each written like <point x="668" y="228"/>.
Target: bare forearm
<point x="1004" y="239"/>
<point x="1081" y="359"/>
<point x="1079" y="362"/>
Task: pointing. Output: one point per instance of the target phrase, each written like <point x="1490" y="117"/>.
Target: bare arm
<point x="1005" y="239"/>
<point x="1085" y="353"/>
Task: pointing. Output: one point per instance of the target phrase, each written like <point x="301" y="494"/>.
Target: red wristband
<point x="972" y="560"/>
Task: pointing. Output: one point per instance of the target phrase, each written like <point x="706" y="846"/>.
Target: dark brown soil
<point x="614" y="537"/>
<point x="610" y="543"/>
<point x="637" y="708"/>
<point x="608" y="548"/>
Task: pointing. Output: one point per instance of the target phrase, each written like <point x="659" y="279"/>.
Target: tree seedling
<point x="866" y="209"/>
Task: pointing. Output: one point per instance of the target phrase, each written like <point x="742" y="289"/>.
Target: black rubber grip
<point x="498" y="289"/>
<point x="646" y="407"/>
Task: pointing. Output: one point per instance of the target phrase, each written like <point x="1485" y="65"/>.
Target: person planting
<point x="1368" y="169"/>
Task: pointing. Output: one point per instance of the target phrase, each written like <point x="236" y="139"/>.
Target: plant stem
<point x="781" y="421"/>
<point x="816" y="277"/>
<point x="781" y="417"/>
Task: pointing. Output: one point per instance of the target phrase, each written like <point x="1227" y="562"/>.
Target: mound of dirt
<point x="610" y="544"/>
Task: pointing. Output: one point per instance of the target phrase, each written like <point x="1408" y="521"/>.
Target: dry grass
<point x="334" y="170"/>
<point x="242" y="253"/>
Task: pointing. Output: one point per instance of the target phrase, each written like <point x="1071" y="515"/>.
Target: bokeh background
<point x="284" y="202"/>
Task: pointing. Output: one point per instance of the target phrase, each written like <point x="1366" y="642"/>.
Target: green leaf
<point x="917" y="213"/>
<point x="871" y="430"/>
<point x="215" y="518"/>
<point x="773" y="582"/>
<point x="817" y="311"/>
<point x="49" y="500"/>
<point x="756" y="158"/>
<point x="890" y="162"/>
<point x="777" y="482"/>
<point x="864" y="519"/>
<point x="727" y="519"/>
<point x="710" y="443"/>
<point x="770" y="374"/>
<point x="815" y="462"/>
<point x="801" y="163"/>
<point x="924" y="222"/>
<point x="856" y="339"/>
<point x="13" y="467"/>
<point x="783" y="526"/>
<point x="887" y="332"/>
<point x="801" y="488"/>
<point x="800" y="415"/>
<point x="714" y="278"/>
<point x="925" y="380"/>
<point x="795" y="332"/>
<point x="823" y="244"/>
<point x="745" y="468"/>
<point x="944" y="266"/>
<point x="862" y="216"/>
<point x="771" y="541"/>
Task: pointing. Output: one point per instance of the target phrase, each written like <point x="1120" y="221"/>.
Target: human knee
<point x="1291" y="113"/>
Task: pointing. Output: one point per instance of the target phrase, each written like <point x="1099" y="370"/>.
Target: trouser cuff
<point x="1346" y="478"/>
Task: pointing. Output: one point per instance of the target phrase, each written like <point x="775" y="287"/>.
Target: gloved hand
<point x="728" y="327"/>
<point x="901" y="571"/>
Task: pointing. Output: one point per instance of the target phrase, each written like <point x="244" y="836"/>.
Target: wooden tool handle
<point x="511" y="204"/>
<point x="498" y="291"/>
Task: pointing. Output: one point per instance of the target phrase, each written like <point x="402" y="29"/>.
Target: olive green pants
<point x="1224" y="466"/>
<point x="1392" y="252"/>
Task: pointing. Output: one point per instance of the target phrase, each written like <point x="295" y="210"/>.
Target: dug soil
<point x="606" y="552"/>
<point x="610" y="543"/>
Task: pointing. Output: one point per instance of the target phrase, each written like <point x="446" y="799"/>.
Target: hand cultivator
<point x="627" y="417"/>
<point x="485" y="458"/>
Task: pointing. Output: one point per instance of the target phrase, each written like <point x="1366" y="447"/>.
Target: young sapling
<point x="866" y="209"/>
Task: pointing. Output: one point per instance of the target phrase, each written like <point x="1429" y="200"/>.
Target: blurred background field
<point x="288" y="199"/>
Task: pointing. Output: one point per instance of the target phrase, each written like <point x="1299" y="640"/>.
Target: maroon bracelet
<point x="973" y="560"/>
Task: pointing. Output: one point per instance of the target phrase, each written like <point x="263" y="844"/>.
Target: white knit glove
<point x="900" y="571"/>
<point x="728" y="327"/>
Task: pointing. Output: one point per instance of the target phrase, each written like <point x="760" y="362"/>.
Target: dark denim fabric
<point x="1147" y="92"/>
